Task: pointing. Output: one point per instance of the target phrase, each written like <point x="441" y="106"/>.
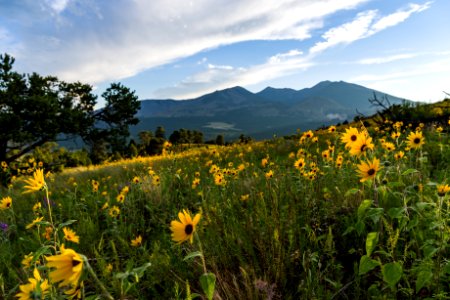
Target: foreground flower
<point x="36" y="183"/>
<point x="349" y="136"/>
<point x="68" y="267"/>
<point x="137" y="241"/>
<point x="443" y="189"/>
<point x="415" y="140"/>
<point x="5" y="203"/>
<point x="362" y="144"/>
<point x="184" y="229"/>
<point x="368" y="170"/>
<point x="35" y="289"/>
<point x="70" y="235"/>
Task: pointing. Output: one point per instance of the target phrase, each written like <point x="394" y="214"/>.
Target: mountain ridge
<point x="268" y="110"/>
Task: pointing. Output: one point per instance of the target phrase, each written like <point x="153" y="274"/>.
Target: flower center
<point x="371" y="172"/>
<point x="75" y="263"/>
<point x="363" y="147"/>
<point x="353" y="138"/>
<point x="188" y="229"/>
<point x="416" y="141"/>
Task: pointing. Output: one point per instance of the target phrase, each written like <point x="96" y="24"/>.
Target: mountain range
<point x="272" y="111"/>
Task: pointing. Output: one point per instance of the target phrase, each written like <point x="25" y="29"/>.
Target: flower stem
<point x="100" y="284"/>
<point x="201" y="251"/>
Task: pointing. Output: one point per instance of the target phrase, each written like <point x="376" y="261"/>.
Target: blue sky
<point x="182" y="49"/>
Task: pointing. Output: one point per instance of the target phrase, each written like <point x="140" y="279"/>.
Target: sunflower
<point x="70" y="235"/>
<point x="299" y="164"/>
<point x="332" y="129"/>
<point x="137" y="241"/>
<point x="5" y="203"/>
<point x="415" y="140"/>
<point x="442" y="189"/>
<point x="68" y="267"/>
<point x="362" y="144"/>
<point x="34" y="289"/>
<point x="36" y="183"/>
<point x="184" y="230"/>
<point x="368" y="170"/>
<point x="350" y="136"/>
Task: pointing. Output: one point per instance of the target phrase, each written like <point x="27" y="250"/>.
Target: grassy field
<point x="314" y="216"/>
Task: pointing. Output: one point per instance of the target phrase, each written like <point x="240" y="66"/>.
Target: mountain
<point x="235" y="111"/>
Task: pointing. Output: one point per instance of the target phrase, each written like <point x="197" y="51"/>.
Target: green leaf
<point x="429" y="250"/>
<point x="371" y="242"/>
<point x="66" y="224"/>
<point x="367" y="264"/>
<point x="193" y="255"/>
<point x="352" y="192"/>
<point x="375" y="214"/>
<point x="409" y="171"/>
<point x="360" y="226"/>
<point x="392" y="272"/>
<point x="423" y="279"/>
<point x="363" y="207"/>
<point x="208" y="283"/>
<point x="396" y="212"/>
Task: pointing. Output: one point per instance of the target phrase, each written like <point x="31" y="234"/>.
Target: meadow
<point x="348" y="212"/>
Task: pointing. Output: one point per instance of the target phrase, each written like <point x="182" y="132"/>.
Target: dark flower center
<point x="75" y="263"/>
<point x="353" y="138"/>
<point x="8" y="204"/>
<point x="188" y="229"/>
<point x="371" y="172"/>
<point x="363" y="147"/>
<point x="416" y="141"/>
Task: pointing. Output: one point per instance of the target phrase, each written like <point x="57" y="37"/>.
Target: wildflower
<point x="349" y="136"/>
<point x="399" y="155"/>
<point x="68" y="267"/>
<point x="299" y="164"/>
<point x="35" y="221"/>
<point x="219" y="179"/>
<point x="4" y="164"/>
<point x="195" y="183"/>
<point x="27" y="258"/>
<point x="389" y="146"/>
<point x="368" y="170"/>
<point x="156" y="180"/>
<point x="125" y="190"/>
<point x="114" y="211"/>
<point x="48" y="233"/>
<point x="137" y="241"/>
<point x="269" y="174"/>
<point x="105" y="205"/>
<point x="184" y="229"/>
<point x="5" y="203"/>
<point x="34" y="289"/>
<point x="37" y="206"/>
<point x="264" y="162"/>
<point x="332" y="129"/>
<point x="120" y="198"/>
<point x="308" y="134"/>
<point x="245" y="197"/>
<point x="36" y="183"/>
<point x="442" y="190"/>
<point x="3" y="226"/>
<point x="395" y="135"/>
<point x="136" y="180"/>
<point x="109" y="268"/>
<point x="74" y="291"/>
<point x="70" y="235"/>
<point x="415" y="140"/>
<point x="362" y="144"/>
<point x="95" y="185"/>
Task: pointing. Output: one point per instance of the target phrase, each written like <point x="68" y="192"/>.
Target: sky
<point x="181" y="49"/>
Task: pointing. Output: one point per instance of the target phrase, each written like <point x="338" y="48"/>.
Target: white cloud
<point x="221" y="77"/>
<point x="58" y="5"/>
<point x="364" y="25"/>
<point x="101" y="42"/>
<point x="385" y="59"/>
